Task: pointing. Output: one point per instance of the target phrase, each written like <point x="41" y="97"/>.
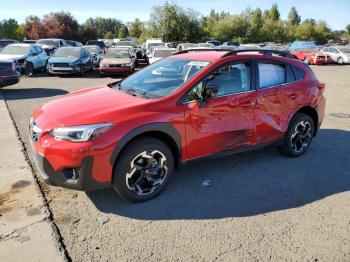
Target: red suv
<point x="133" y="134"/>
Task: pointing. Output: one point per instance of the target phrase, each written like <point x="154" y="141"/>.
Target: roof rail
<point x="267" y="52"/>
<point x="202" y="50"/>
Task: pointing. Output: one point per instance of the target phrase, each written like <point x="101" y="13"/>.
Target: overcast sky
<point x="335" y="12"/>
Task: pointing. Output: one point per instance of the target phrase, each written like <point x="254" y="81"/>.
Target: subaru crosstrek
<point x="133" y="134"/>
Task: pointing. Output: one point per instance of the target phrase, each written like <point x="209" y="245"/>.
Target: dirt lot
<point x="261" y="206"/>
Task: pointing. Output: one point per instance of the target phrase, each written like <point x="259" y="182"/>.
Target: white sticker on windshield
<point x="198" y="63"/>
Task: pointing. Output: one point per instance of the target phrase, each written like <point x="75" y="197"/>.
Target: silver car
<point x="96" y="52"/>
<point x="339" y="54"/>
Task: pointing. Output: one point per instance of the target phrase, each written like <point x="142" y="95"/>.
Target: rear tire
<point x="143" y="170"/>
<point x="299" y="136"/>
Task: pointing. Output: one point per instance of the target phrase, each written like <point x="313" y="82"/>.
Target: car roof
<point x="21" y="44"/>
<point x="216" y="55"/>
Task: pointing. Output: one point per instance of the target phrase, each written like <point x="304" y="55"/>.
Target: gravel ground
<point x="260" y="206"/>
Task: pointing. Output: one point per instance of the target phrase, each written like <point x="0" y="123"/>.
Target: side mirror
<point x="209" y="91"/>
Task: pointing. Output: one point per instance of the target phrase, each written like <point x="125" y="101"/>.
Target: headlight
<point x="104" y="65"/>
<point x="80" y="133"/>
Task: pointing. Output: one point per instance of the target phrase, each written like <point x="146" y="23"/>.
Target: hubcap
<point x="301" y="136"/>
<point x="147" y="172"/>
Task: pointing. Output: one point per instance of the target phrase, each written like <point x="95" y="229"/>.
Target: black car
<point x="9" y="74"/>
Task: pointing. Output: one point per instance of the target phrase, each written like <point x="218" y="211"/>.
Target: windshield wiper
<point x="135" y="92"/>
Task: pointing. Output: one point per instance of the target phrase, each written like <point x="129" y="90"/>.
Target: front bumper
<point x="64" y="70"/>
<point x="115" y="70"/>
<point x="79" y="179"/>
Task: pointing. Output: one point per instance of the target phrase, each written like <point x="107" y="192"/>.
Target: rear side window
<point x="298" y="73"/>
<point x="271" y="75"/>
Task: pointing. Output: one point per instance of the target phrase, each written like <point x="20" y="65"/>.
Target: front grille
<point x="114" y="65"/>
<point x="34" y="131"/>
<point x="60" y="64"/>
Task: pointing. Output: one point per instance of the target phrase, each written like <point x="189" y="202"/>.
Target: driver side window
<point x="228" y="79"/>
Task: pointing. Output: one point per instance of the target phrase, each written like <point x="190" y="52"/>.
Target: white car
<point x="96" y="53"/>
<point x="159" y="53"/>
<point x="339" y="54"/>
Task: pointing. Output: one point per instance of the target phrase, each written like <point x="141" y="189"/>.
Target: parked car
<point x="28" y="41"/>
<point x="339" y="54"/>
<point x="101" y="44"/>
<point x="5" y="42"/>
<point x="117" y="61"/>
<point x="297" y="45"/>
<point x="29" y="57"/>
<point x="161" y="52"/>
<point x="73" y="43"/>
<point x="185" y="46"/>
<point x="96" y="52"/>
<point x="226" y="44"/>
<point x="9" y="75"/>
<point x="203" y="45"/>
<point x="133" y="134"/>
<point x="70" y="60"/>
<point x="51" y="44"/>
<point x="214" y="42"/>
<point x="312" y="56"/>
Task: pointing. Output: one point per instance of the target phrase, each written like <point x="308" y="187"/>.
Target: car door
<point x="33" y="57"/>
<point x="274" y="95"/>
<point x="225" y="121"/>
<point x="41" y="56"/>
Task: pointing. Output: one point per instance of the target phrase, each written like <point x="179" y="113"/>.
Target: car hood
<point x="46" y="46"/>
<point x="116" y="61"/>
<point x="88" y="106"/>
<point x="63" y="59"/>
<point x="11" y="57"/>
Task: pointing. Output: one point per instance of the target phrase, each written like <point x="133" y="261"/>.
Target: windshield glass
<point x="67" y="52"/>
<point x="117" y="53"/>
<point x="14" y="50"/>
<point x="162" y="78"/>
<point x="124" y="43"/>
<point x="92" y="49"/>
<point x="344" y="49"/>
<point x="48" y="42"/>
<point x="163" y="53"/>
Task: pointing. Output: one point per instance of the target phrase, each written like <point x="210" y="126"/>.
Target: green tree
<point x="274" y="14"/>
<point x="123" y="32"/>
<point x="294" y="17"/>
<point x="8" y="29"/>
<point x="347" y="28"/>
<point x="103" y="25"/>
<point x="136" y="28"/>
<point x="108" y="35"/>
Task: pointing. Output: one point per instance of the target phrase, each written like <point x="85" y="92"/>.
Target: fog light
<point x="71" y="175"/>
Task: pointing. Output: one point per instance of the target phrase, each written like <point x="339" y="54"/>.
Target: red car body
<point x="312" y="57"/>
<point x="225" y="124"/>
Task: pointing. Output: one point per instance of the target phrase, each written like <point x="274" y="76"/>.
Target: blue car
<point x="70" y="60"/>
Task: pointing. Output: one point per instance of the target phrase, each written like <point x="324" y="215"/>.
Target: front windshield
<point x="163" y="52"/>
<point x="117" y="53"/>
<point x="67" y="52"/>
<point x="344" y="49"/>
<point x="162" y="78"/>
<point x="124" y="43"/>
<point x="14" y="50"/>
<point x="93" y="50"/>
<point x="48" y="42"/>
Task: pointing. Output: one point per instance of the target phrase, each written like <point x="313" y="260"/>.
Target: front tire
<point x="143" y="170"/>
<point x="299" y="136"/>
<point x="340" y="61"/>
<point x="307" y="60"/>
<point x="29" y="69"/>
